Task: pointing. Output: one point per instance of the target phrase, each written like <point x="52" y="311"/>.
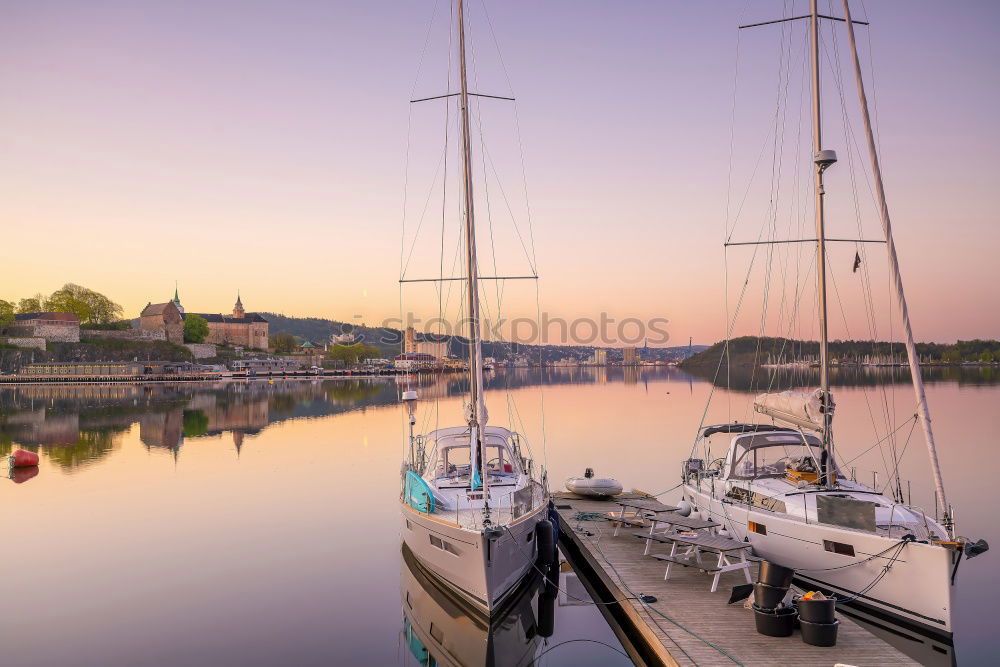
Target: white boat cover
<point x="800" y="408"/>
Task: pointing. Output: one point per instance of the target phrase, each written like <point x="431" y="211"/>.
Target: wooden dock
<point x="688" y="625"/>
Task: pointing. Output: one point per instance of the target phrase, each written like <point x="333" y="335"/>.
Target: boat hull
<point x="483" y="571"/>
<point x="916" y="592"/>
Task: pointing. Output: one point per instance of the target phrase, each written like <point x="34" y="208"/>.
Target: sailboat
<point x="778" y="486"/>
<point x="474" y="503"/>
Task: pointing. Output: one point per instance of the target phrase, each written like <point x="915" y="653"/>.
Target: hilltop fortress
<point x="241" y="328"/>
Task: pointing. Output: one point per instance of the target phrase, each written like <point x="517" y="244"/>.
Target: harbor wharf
<point x="141" y="378"/>
<point x="687" y="624"/>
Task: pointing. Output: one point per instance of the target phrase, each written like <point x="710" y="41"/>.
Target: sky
<point x="270" y="148"/>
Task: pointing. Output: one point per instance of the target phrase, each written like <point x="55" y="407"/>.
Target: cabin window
<point x="839" y="548"/>
<point x="757" y="527"/>
<point x="531" y="536"/>
<point x="409" y="526"/>
<point x="436" y="634"/>
<point x="442" y="545"/>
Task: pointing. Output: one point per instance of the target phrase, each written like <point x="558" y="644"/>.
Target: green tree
<point x="195" y="328"/>
<point x="6" y="313"/>
<point x="352" y="354"/>
<point x="342" y="353"/>
<point x="951" y="356"/>
<point x="31" y="304"/>
<point x="282" y="343"/>
<point x="368" y="352"/>
<point x="986" y="357"/>
<point x="90" y="306"/>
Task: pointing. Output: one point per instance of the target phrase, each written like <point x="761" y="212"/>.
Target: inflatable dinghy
<point x="594" y="487"/>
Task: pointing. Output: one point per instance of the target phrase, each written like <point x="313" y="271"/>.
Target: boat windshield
<point x="452" y="466"/>
<point x="774" y="455"/>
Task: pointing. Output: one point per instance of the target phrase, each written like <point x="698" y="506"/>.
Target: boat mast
<point x="820" y="166"/>
<point x="897" y="280"/>
<point x="477" y="408"/>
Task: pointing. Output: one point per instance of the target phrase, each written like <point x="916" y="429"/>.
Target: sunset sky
<point x="261" y="146"/>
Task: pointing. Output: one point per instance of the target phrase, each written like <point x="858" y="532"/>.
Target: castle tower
<point x="177" y="299"/>
<point x="238" y="308"/>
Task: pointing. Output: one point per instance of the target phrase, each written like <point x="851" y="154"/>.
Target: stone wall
<point x="60" y="333"/>
<point x="37" y="343"/>
<point x="127" y="334"/>
<point x="201" y="350"/>
<point x="252" y="335"/>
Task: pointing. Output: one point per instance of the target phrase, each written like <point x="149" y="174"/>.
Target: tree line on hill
<point x="389" y="341"/>
<point x="757" y="350"/>
<point x="286" y="343"/>
<point x="94" y="310"/>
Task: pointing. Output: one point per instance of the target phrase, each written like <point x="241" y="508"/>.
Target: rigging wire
<point x="406" y="187"/>
<point x="884" y="393"/>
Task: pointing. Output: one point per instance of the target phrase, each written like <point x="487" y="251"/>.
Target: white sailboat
<point x="471" y="494"/>
<point x="779" y="487"/>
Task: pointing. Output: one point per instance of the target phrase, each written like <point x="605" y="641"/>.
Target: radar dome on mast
<point x="825" y="158"/>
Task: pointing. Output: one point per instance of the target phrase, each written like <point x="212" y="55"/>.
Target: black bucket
<point x="774" y="575"/>
<point x="768" y="597"/>
<point x="774" y="622"/>
<point x="819" y="634"/>
<point x="817" y="611"/>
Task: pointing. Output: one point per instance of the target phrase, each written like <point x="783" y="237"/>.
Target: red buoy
<point x="22" y="459"/>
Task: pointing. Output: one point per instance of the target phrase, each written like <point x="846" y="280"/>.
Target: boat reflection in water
<point x="440" y="628"/>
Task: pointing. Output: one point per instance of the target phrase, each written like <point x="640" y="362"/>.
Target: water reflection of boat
<point x="928" y="651"/>
<point x="441" y="628"/>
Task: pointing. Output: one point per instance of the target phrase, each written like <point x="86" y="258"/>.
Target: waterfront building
<point x="110" y="369"/>
<point x="630" y="356"/>
<point x="410" y="341"/>
<point x="600" y="357"/>
<point x="435" y="348"/>
<point x="266" y="366"/>
<point x="414" y="361"/>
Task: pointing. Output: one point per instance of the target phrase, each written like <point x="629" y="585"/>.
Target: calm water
<point x="256" y="523"/>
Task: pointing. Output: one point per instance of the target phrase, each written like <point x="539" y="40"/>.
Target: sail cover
<point x="801" y="408"/>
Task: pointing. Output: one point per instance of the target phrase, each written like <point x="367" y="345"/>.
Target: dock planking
<point x="679" y="627"/>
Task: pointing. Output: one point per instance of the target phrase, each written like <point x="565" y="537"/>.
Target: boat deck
<point x="682" y="626"/>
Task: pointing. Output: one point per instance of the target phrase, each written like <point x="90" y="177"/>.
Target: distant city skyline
<point x="261" y="148"/>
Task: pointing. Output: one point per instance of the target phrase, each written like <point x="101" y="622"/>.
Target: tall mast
<point x="477" y="409"/>
<point x="911" y="349"/>
<point x="820" y="165"/>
